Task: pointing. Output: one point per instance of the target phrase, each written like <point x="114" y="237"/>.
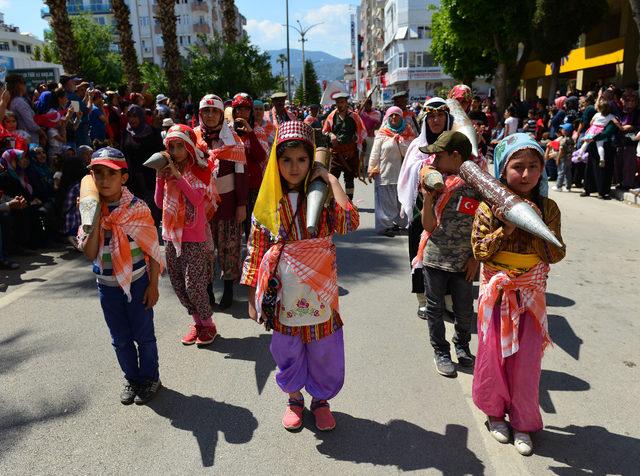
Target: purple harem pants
<point x="509" y="385"/>
<point x="317" y="366"/>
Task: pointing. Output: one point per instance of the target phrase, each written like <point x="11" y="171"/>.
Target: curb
<point x="626" y="196"/>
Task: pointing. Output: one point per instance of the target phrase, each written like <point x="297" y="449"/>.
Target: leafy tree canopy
<point x="98" y="62"/>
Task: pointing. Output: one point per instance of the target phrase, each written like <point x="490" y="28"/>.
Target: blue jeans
<point x="564" y="173"/>
<point x="436" y="283"/>
<point x="130" y="324"/>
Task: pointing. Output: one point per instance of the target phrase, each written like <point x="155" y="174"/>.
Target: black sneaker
<point x="444" y="365"/>
<point x="465" y="357"/>
<point x="128" y="394"/>
<point x="146" y="391"/>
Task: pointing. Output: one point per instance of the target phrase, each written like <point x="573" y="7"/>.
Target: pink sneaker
<point x="324" y="417"/>
<point x="191" y="336"/>
<point x="206" y="334"/>
<point x="292" y="418"/>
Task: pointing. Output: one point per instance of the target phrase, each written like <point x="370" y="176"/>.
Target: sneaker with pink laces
<point x="323" y="415"/>
<point x="206" y="334"/>
<point x="292" y="418"/>
<point x="191" y="336"/>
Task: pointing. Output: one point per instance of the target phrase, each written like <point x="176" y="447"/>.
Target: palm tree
<point x="127" y="50"/>
<point x="282" y="59"/>
<point x="170" y="54"/>
<point x="230" y="33"/>
<point x="61" y="26"/>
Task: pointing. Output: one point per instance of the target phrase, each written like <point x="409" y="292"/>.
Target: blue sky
<point x="264" y="22"/>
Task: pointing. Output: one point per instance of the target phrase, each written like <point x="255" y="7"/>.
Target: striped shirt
<point x="138" y="263"/>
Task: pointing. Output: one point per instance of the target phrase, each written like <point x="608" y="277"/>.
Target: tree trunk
<point x="171" y="53"/>
<point x="553" y="86"/>
<point x="66" y="43"/>
<point x="635" y="11"/>
<point x="229" y="21"/>
<point x="500" y="80"/>
<point x="127" y="49"/>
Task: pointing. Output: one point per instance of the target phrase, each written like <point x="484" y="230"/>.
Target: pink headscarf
<point x="390" y="111"/>
<point x="559" y="102"/>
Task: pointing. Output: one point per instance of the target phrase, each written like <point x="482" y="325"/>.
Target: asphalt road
<point x="220" y="409"/>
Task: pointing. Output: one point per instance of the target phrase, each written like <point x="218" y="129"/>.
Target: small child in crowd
<point x="127" y="261"/>
<point x="294" y="273"/>
<point x="599" y="121"/>
<point x="566" y="146"/>
<point x="512" y="317"/>
<point x="186" y="195"/>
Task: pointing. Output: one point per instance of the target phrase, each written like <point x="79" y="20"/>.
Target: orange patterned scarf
<point x="130" y="218"/>
<point x="531" y="288"/>
<point x="314" y="263"/>
<point x="232" y="152"/>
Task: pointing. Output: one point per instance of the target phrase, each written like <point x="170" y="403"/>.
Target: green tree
<point x="155" y="77"/>
<point x="37" y="53"/>
<point x="555" y="37"/>
<point x="96" y="59"/>
<point x="313" y="91"/>
<point x="635" y="13"/>
<point x="465" y="61"/>
<point x="212" y="66"/>
<point x="47" y="55"/>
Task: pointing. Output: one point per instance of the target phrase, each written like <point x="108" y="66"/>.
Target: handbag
<point x="269" y="302"/>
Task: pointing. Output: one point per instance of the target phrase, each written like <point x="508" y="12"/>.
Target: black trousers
<point x="598" y="179"/>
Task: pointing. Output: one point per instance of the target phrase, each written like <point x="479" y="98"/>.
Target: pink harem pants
<point x="317" y="366"/>
<point x="509" y="385"/>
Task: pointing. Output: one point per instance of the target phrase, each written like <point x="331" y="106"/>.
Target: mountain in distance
<point x="327" y="66"/>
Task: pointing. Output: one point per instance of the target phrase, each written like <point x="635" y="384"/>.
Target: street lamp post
<point x="303" y="31"/>
<point x="288" y="56"/>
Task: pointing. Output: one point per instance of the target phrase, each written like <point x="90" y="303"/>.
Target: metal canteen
<point x="89" y="204"/>
<point x="157" y="161"/>
<point x="516" y="210"/>
<point x="317" y="192"/>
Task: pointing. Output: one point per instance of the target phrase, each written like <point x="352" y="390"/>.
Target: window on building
<point x="189" y="39"/>
<point x="100" y="20"/>
<point x="202" y="21"/>
<point x="28" y="48"/>
<point x="21" y="48"/>
<point x="419" y="59"/>
<point x="180" y="39"/>
<point x="402" y="60"/>
<point x="412" y="59"/>
<point x="4" y="46"/>
<point x="427" y="59"/>
<point x="144" y="21"/>
<point x="424" y="32"/>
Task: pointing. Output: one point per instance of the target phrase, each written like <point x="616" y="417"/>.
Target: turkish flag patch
<point x="467" y="205"/>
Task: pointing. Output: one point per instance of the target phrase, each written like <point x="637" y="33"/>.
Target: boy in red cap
<point x="127" y="262"/>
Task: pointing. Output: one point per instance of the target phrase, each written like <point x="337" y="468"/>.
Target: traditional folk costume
<point x="307" y="344"/>
<point x="227" y="152"/>
<point x="512" y="319"/>
<point x="128" y="240"/>
<point x="408" y="195"/>
<point x="187" y="205"/>
<point x="255" y="148"/>
<point x="371" y="120"/>
<point x="350" y="135"/>
<point x="389" y="149"/>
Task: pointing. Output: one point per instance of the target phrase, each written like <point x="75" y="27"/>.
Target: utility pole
<point x="288" y="56"/>
<point x="303" y="31"/>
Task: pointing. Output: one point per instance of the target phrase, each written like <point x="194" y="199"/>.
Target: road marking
<point x="29" y="287"/>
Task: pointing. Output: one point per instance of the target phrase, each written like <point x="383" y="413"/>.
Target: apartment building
<point x="371" y="36"/>
<point x="193" y="18"/>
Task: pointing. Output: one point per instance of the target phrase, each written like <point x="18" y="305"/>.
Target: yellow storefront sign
<point x="592" y="56"/>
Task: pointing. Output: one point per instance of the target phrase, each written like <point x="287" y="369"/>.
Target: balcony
<point x="96" y="8"/>
<point x="201" y="28"/>
<point x="199" y="7"/>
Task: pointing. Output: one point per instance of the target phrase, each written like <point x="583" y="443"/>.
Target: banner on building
<point x="36" y="76"/>
<point x="6" y="64"/>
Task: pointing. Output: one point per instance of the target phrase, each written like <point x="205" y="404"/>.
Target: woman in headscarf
<point x="139" y="142"/>
<point x="436" y="120"/>
<point x="388" y="151"/>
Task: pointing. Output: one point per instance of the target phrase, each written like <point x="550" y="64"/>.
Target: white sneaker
<point x="499" y="430"/>
<point x="522" y="442"/>
<point x="566" y="189"/>
<point x="556" y="189"/>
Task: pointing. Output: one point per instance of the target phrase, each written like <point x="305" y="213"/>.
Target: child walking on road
<point x="512" y="317"/>
<point x="184" y="191"/>
<point x="127" y="263"/>
<point x="295" y="275"/>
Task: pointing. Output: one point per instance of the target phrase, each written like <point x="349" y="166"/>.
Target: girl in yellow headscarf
<point x="292" y="275"/>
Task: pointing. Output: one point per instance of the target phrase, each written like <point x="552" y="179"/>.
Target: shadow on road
<point x="588" y="450"/>
<point x="398" y="443"/>
<point x="356" y="258"/>
<point x="563" y="335"/>
<point x="14" y="351"/>
<point x="205" y="418"/>
<point x="553" y="381"/>
<point x="251" y="349"/>
<point x="555" y="300"/>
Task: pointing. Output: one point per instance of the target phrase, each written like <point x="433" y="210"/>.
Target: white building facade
<point x="16" y="54"/>
<point x="194" y="18"/>
<point x="371" y="30"/>
<point x="407" y="50"/>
